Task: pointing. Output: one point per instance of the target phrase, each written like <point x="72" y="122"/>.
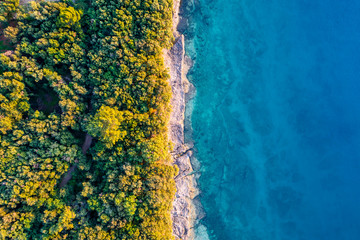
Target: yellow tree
<point x="7" y="9"/>
<point x="68" y="16"/>
<point x="13" y="100"/>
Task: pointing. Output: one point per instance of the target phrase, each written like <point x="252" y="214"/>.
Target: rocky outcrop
<point x="184" y="211"/>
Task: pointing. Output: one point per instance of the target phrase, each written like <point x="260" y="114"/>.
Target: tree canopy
<point x="78" y="70"/>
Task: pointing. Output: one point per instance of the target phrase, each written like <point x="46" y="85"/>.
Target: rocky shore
<point x="186" y="210"/>
<point x="183" y="213"/>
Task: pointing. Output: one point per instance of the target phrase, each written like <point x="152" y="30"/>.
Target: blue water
<point x="276" y="118"/>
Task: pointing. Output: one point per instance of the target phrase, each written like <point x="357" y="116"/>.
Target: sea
<point x="276" y="118"/>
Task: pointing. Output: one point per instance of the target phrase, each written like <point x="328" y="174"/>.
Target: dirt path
<point x="67" y="177"/>
<point x="86" y="145"/>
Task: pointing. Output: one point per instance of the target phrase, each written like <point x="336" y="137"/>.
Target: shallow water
<point x="276" y="118"/>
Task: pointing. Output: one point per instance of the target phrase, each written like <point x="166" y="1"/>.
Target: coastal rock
<point x="184" y="210"/>
<point x="187" y="210"/>
<point x="175" y="63"/>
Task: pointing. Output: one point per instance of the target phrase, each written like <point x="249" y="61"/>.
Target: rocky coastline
<point x="183" y="212"/>
<point x="187" y="210"/>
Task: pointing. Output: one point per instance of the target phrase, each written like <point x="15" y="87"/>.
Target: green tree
<point x="108" y="125"/>
<point x="106" y="74"/>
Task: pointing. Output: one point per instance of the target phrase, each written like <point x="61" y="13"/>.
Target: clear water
<point x="276" y="118"/>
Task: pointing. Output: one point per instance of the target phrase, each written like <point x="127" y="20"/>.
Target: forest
<point x="84" y="109"/>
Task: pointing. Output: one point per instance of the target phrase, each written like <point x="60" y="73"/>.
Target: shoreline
<point x="183" y="213"/>
<point x="187" y="210"/>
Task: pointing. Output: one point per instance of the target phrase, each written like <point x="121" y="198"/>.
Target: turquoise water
<point x="276" y="118"/>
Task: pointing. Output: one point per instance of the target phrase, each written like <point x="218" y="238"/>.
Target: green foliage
<point x="107" y="125"/>
<point x="33" y="159"/>
<point x="75" y="74"/>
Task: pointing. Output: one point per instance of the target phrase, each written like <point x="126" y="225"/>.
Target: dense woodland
<point x="84" y="108"/>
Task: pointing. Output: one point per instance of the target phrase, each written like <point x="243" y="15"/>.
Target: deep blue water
<point x="276" y="118"/>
